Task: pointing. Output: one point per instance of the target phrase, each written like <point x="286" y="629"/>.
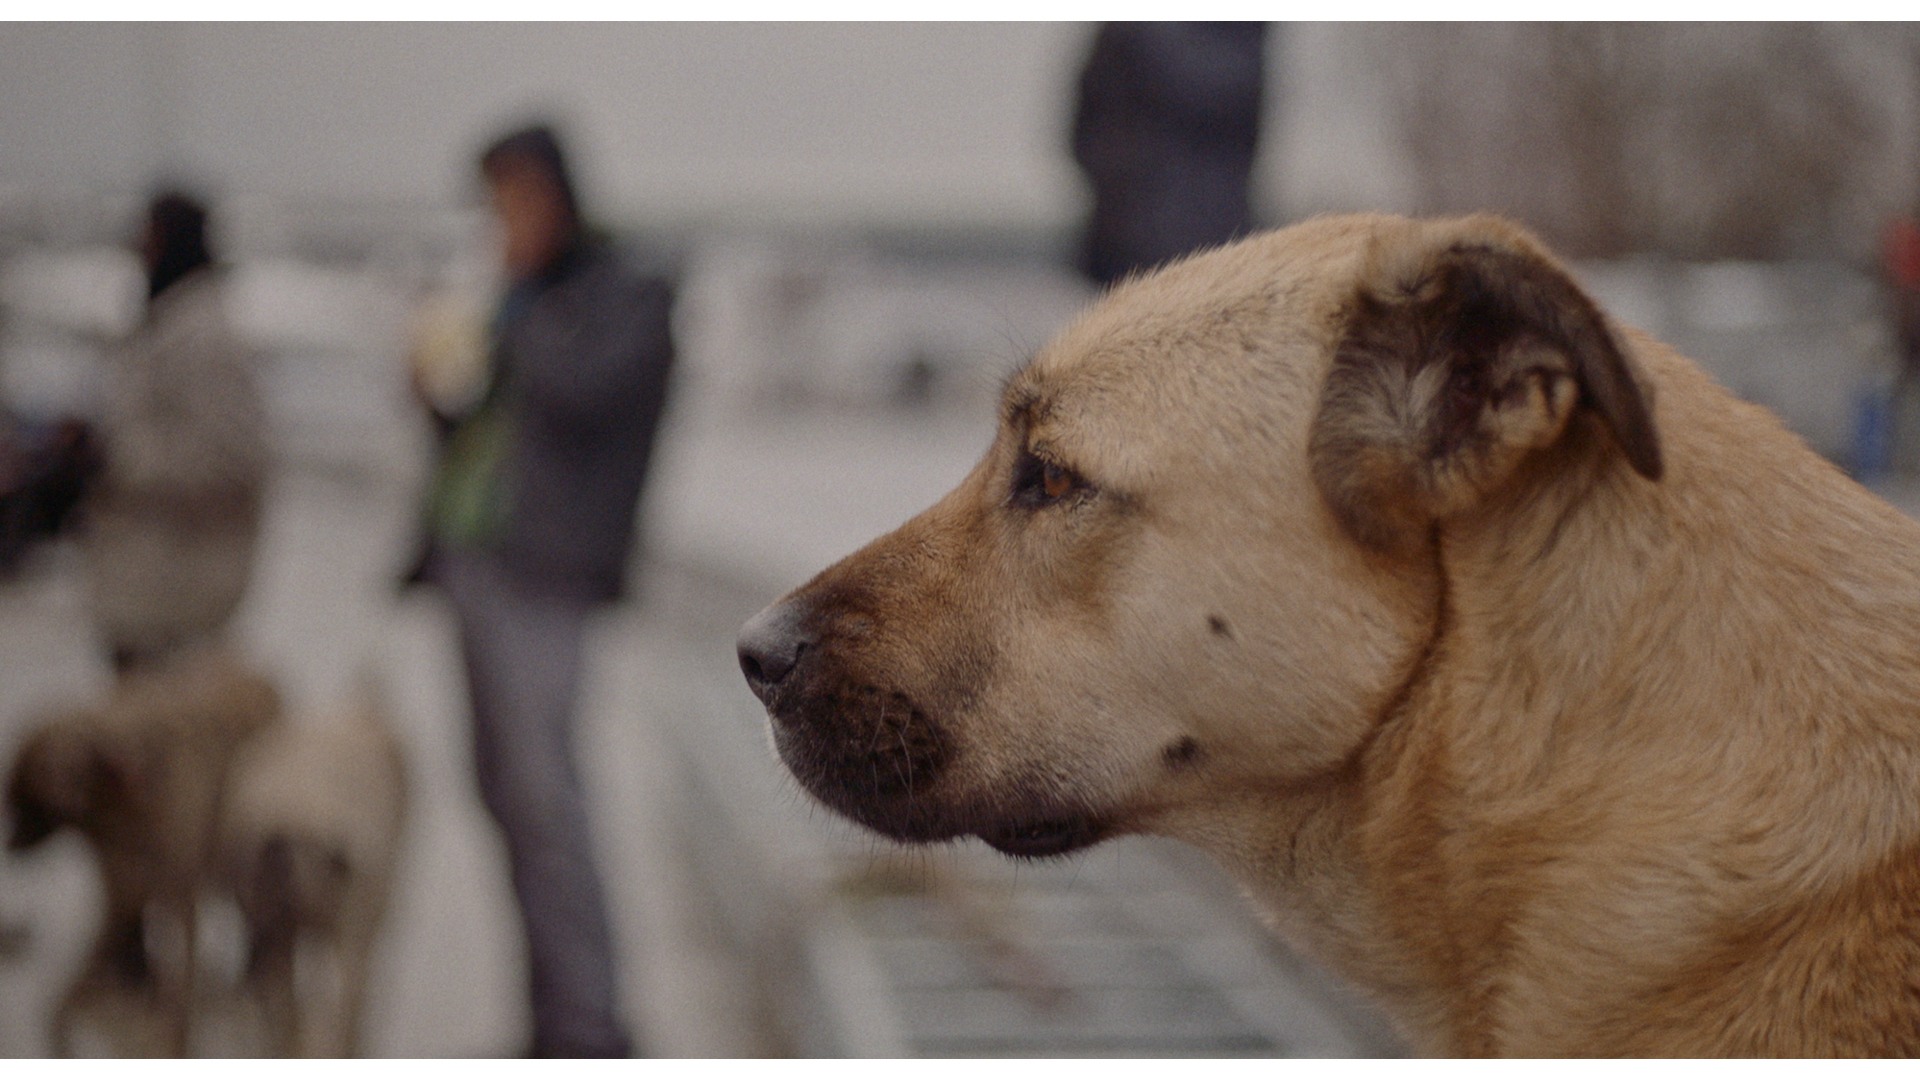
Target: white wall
<point x="71" y="105"/>
<point x="910" y="122"/>
<point x="924" y="124"/>
<point x="1332" y="145"/>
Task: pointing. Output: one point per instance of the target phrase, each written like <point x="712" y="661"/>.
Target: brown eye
<point x="1055" y="481"/>
<point x="1038" y="483"/>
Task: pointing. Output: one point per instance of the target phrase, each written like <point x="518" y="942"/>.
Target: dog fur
<point x="309" y="846"/>
<point x="1559" y="699"/>
<point x="142" y="779"/>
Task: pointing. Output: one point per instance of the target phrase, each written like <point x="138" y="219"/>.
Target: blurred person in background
<point x="1900" y="254"/>
<point x="170" y="527"/>
<point x="1900" y="264"/>
<point x="1168" y="118"/>
<point x="531" y="519"/>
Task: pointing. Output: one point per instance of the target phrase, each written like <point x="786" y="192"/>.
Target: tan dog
<point x="309" y="846"/>
<point x="142" y="778"/>
<point x="1561" y="700"/>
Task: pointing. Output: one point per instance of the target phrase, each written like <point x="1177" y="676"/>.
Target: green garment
<point x="470" y="496"/>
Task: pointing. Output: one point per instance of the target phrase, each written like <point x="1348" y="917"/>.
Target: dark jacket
<point x="1165" y="130"/>
<point x="581" y="364"/>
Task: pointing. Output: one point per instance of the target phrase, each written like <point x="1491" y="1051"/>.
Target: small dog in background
<point x="308" y="848"/>
<point x="141" y="778"/>
<point x="189" y="785"/>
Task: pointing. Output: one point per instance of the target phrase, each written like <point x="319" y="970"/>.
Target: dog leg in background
<point x="343" y="978"/>
<point x="116" y="965"/>
<point x="273" y="932"/>
<point x="173" y="937"/>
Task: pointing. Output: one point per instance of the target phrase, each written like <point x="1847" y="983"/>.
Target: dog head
<point x="1198" y="560"/>
<point x="62" y="775"/>
<point x="111" y="771"/>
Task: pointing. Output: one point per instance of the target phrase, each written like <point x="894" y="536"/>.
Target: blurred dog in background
<point x="308" y="848"/>
<point x="188" y="785"/>
<point x="141" y="778"/>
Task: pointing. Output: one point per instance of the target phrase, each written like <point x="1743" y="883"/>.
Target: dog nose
<point x="770" y="645"/>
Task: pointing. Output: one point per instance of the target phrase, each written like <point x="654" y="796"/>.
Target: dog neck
<point x="1598" y="624"/>
<point x="1566" y="777"/>
<point x="1562" y="775"/>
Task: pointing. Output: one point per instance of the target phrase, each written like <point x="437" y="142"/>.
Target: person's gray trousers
<point x="522" y="649"/>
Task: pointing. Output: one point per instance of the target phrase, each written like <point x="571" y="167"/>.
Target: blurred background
<point x="869" y="224"/>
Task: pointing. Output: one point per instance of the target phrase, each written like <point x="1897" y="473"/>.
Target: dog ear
<point x="47" y="788"/>
<point x="33" y="819"/>
<point x="1464" y="349"/>
<point x="59" y="777"/>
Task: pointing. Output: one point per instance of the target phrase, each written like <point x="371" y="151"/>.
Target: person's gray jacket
<point x="585" y="356"/>
<point x="169" y="532"/>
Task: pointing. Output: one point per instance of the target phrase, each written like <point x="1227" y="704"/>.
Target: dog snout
<point x="770" y="644"/>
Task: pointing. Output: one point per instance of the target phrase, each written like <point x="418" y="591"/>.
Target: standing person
<point x="170" y="530"/>
<point x="1900" y="257"/>
<point x="1165" y="131"/>
<point x="532" y="518"/>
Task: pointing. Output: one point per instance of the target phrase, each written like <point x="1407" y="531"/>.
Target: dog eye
<point x="1038" y="483"/>
<point x="1055" y="480"/>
